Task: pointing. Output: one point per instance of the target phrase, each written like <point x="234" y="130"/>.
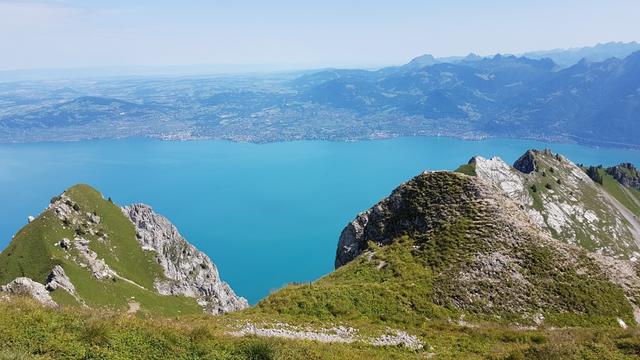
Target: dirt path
<point x="338" y="334"/>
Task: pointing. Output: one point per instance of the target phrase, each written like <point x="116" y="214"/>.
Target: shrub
<point x="257" y="351"/>
<point x="96" y="332"/>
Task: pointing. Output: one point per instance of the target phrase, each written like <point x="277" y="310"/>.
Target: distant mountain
<point x="599" y="52"/>
<point x="80" y="111"/>
<point x="590" y="102"/>
<point x="596" y="102"/>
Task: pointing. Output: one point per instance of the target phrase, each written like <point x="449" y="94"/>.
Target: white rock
<point x="189" y="272"/>
<point x="27" y="287"/>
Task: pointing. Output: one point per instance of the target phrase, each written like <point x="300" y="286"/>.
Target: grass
<point x="412" y="283"/>
<point x="400" y="284"/>
<point x="626" y="197"/>
<point x="29" y="331"/>
<point x="467" y="169"/>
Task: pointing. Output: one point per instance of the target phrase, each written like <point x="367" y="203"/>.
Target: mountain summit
<point x="85" y="250"/>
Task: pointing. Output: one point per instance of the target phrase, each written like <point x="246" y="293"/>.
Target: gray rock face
<point x="57" y="279"/>
<point x="27" y="287"/>
<point x="98" y="267"/>
<point x="526" y="163"/>
<point x="626" y="174"/>
<point x="188" y="271"/>
<point x="390" y="218"/>
<point x="567" y="203"/>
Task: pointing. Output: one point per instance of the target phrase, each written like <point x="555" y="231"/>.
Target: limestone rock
<point x="58" y="279"/>
<point x="626" y="174"/>
<point x="188" y="271"/>
<point x="27" y="287"/>
<point x="98" y="267"/>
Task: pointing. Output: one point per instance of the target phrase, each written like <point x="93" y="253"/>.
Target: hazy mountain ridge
<point x="590" y="102"/>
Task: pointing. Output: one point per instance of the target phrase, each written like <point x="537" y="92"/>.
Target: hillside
<point x="448" y="245"/>
<point x="87" y="251"/>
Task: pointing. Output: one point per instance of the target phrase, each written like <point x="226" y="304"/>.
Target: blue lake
<point x="266" y="214"/>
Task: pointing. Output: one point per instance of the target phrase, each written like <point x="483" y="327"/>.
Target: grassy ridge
<point x="400" y="284"/>
<point x="33" y="253"/>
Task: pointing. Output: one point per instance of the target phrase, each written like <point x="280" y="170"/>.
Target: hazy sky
<point x="296" y="33"/>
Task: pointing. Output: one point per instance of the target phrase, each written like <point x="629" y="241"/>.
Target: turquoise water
<point x="266" y="214"/>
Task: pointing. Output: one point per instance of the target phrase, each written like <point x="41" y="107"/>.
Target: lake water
<point x="266" y="214"/>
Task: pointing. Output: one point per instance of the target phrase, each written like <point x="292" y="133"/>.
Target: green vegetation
<point x="29" y="331"/>
<point x="595" y="173"/>
<point x="627" y="197"/>
<point x="467" y="169"/>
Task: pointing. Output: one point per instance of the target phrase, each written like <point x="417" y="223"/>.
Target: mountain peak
<point x="86" y="250"/>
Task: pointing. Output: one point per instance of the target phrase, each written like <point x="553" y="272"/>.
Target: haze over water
<point x="266" y="214"/>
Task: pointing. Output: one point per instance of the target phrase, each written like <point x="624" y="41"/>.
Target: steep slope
<point x="86" y="251"/>
<point x="560" y="196"/>
<point x="447" y="244"/>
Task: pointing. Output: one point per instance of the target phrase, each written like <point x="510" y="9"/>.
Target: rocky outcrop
<point x="561" y="198"/>
<point x="526" y="163"/>
<point x="626" y="174"/>
<point x="58" y="280"/>
<point x="510" y="180"/>
<point x="24" y="286"/>
<point x="403" y="213"/>
<point x="188" y="272"/>
<point x="89" y="258"/>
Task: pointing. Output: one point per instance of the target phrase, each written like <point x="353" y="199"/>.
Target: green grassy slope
<point x="627" y="197"/>
<point x="30" y="252"/>
<point x="29" y="331"/>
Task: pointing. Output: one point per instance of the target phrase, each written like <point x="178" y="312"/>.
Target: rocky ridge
<point x="561" y="198"/>
<point x="626" y="174"/>
<point x="188" y="272"/>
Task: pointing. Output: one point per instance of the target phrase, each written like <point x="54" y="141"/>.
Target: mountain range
<point x="543" y="95"/>
<point x="535" y="260"/>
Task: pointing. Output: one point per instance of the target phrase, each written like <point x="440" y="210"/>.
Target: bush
<point x="96" y="332"/>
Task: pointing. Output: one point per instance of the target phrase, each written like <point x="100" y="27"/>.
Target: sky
<point x="37" y="34"/>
